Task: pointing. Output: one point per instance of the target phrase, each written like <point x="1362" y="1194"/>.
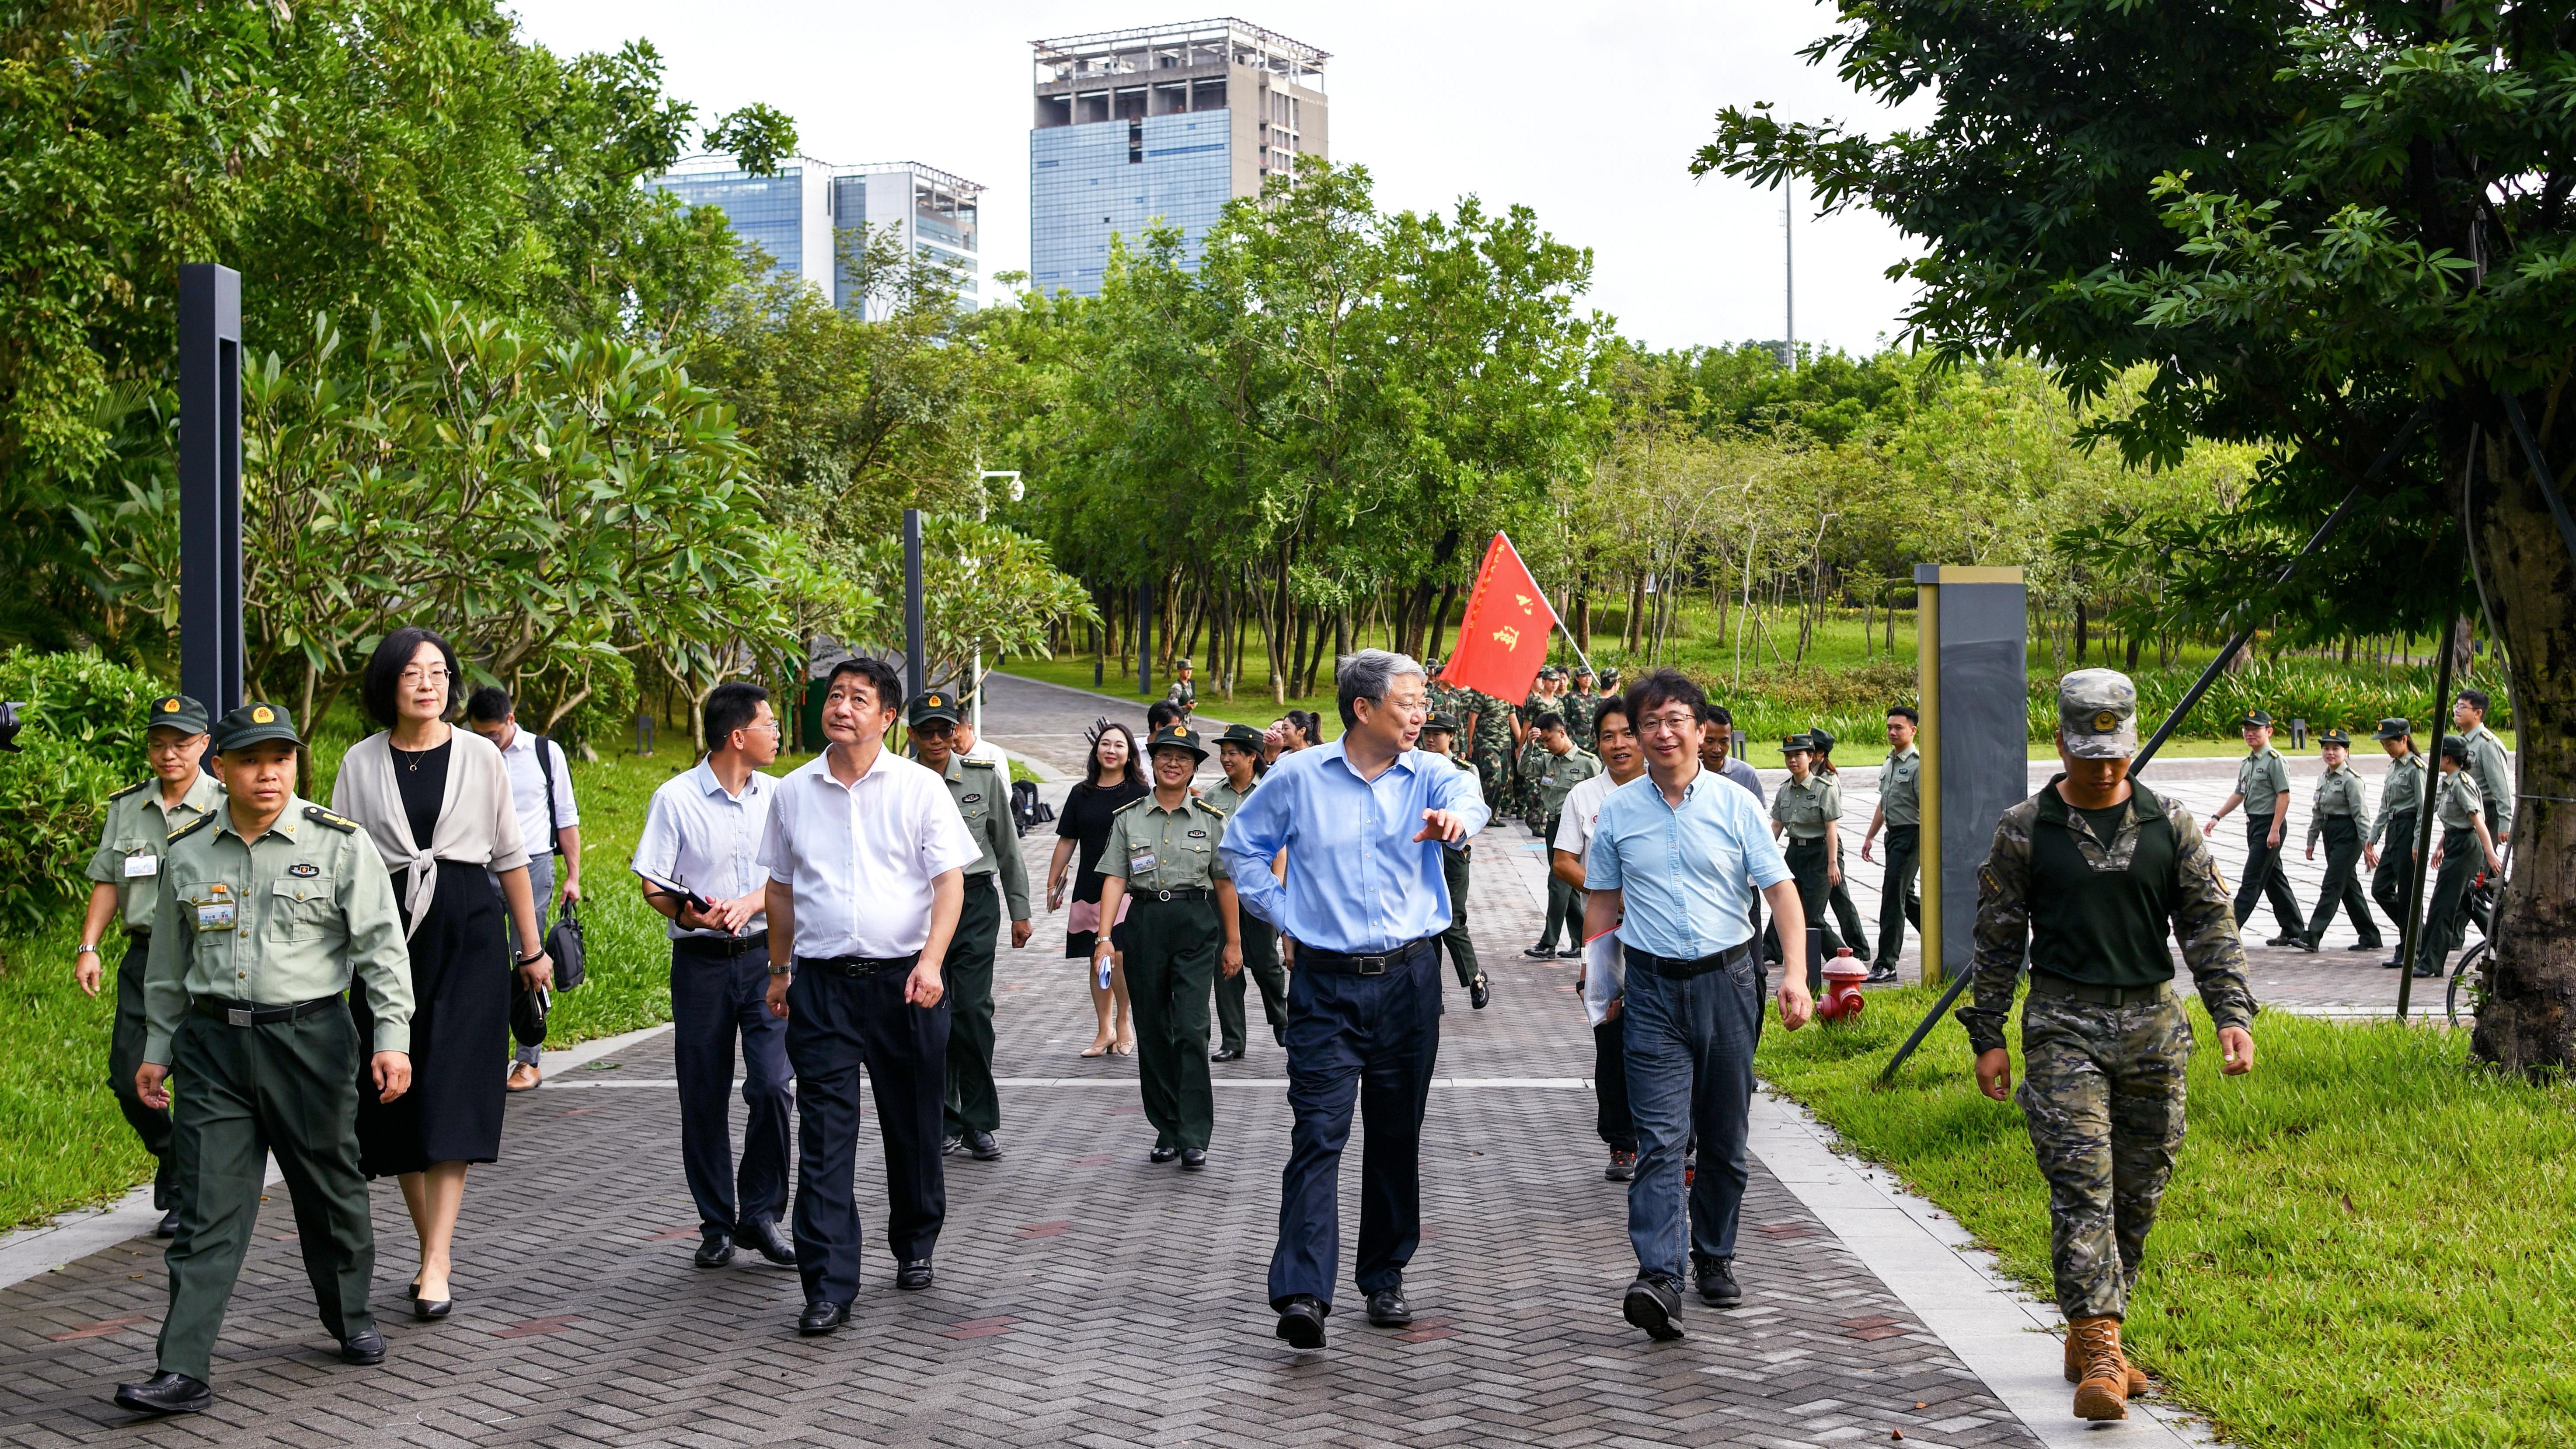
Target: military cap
<point x="2335" y="737"/>
<point x="253" y="724"/>
<point x="2393" y="728"/>
<point x="1178" y="737"/>
<point x="1442" y="723"/>
<point x="938" y="704"/>
<point x="2257" y="717"/>
<point x="177" y="712"/>
<point x="1242" y="734"/>
<point x="1583" y="671"/>
<point x="1609" y="679"/>
<point x="2455" y="747"/>
<point x="1824" y="741"/>
<point x="1794" y="744"/>
<point x="2097" y="712"/>
<point x="1184" y="664"/>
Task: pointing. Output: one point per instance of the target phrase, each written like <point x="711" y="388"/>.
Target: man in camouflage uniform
<point x="2086" y="877"/>
<point x="1489" y="747"/>
<point x="1439" y="735"/>
<point x="1577" y="706"/>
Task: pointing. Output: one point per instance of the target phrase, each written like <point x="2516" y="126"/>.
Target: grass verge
<point x="2366" y="1242"/>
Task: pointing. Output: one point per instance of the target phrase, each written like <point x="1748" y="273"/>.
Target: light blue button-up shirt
<point x="1687" y="875"/>
<point x="1358" y="882"/>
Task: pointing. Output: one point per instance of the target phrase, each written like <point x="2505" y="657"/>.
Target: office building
<point x="806" y="217"/>
<point x="1160" y="124"/>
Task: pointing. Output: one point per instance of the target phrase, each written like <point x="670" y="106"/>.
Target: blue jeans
<point x="1689" y="1046"/>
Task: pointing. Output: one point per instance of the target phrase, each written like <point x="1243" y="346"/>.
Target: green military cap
<point x="2335" y="737"/>
<point x="1824" y="741"/>
<point x="1609" y="679"/>
<point x="253" y="724"/>
<point x="1184" y="664"/>
<point x="176" y="712"/>
<point x="1242" y="734"/>
<point x="2456" y="747"/>
<point x="2258" y="717"/>
<point x="1442" y="723"/>
<point x="2393" y="728"/>
<point x="1177" y="737"/>
<point x="938" y="704"/>
<point x="1583" y="671"/>
<point x="2097" y="712"/>
<point x="1794" y="744"/>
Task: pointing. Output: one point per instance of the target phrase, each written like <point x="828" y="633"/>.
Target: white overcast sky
<point x="1588" y="114"/>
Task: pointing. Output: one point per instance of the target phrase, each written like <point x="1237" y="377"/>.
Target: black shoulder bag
<point x="563" y="942"/>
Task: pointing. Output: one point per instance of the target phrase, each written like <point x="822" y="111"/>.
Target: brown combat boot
<point x="2103" y="1391"/>
<point x="2138" y="1384"/>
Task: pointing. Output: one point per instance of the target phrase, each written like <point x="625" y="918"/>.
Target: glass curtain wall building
<point x="806" y="217"/>
<point x="1160" y="124"/>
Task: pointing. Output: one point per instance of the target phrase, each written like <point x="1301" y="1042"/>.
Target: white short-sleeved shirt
<point x="698" y="837"/>
<point x="859" y="859"/>
<point x="528" y="790"/>
<point x="987" y="750"/>
<point x="1582" y="807"/>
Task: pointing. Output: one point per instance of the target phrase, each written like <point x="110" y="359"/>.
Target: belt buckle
<point x="1371" y="965"/>
<point x="1164" y="895"/>
<point x="236" y="1016"/>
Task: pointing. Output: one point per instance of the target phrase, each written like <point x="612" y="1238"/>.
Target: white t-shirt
<point x="858" y="859"/>
<point x="985" y="749"/>
<point x="1582" y="807"/>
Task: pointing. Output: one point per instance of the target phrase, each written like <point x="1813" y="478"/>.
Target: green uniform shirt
<point x="2262" y="779"/>
<point x="2339" y="792"/>
<point x="2495" y="776"/>
<point x="1558" y="774"/>
<point x="2401" y="792"/>
<point x="2463" y="803"/>
<point x="134" y="838"/>
<point x="1900" y="788"/>
<point x="983" y="796"/>
<point x="296" y="915"/>
<point x="1807" y="808"/>
<point x="1154" y="849"/>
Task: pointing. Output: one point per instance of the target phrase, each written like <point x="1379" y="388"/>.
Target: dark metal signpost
<point x="210" y="461"/>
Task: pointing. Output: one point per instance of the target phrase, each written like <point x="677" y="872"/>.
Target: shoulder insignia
<point x="341" y="823"/>
<point x="975" y="764"/>
<point x="130" y="789"/>
<point x="1216" y="810"/>
<point x="191" y="828"/>
<point x="1130" y="805"/>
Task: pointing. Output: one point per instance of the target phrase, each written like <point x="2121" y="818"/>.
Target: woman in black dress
<point x="436" y="801"/>
<point x="1114" y="779"/>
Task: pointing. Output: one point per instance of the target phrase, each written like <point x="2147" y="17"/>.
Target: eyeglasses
<point x="1671" y="723"/>
<point x="418" y="675"/>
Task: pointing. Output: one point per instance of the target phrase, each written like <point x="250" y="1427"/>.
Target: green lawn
<point x="2366" y="1243"/>
<point x="62" y="1141"/>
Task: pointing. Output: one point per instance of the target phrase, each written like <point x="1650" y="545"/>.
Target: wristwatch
<point x="782" y="968"/>
<point x="86" y="948"/>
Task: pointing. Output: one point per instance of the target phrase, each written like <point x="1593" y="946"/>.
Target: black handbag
<point x="527" y="1013"/>
<point x="564" y="943"/>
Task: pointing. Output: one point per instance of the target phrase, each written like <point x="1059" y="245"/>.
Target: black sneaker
<point x="981" y="1146"/>
<point x="950" y="1146"/>
<point x="1652" y="1305"/>
<point x="1622" y="1168"/>
<point x="1717" y="1282"/>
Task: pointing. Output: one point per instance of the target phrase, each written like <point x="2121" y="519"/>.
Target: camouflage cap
<point x="2097" y="713"/>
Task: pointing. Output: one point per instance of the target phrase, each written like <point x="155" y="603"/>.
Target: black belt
<point x="2043" y="983"/>
<point x="1176" y="893"/>
<point x="857" y="966"/>
<point x="724" y="945"/>
<point x="1344" y="963"/>
<point x="1674" y="968"/>
<point x="244" y="1013"/>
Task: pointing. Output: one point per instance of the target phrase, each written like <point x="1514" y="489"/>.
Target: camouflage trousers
<point x="2102" y="1094"/>
<point x="1494" y="776"/>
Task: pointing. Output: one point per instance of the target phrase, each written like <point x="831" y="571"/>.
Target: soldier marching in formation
<point x="1805" y="809"/>
<point x="2462" y="809"/>
<point x="1846" y="914"/>
<point x="2341" y="802"/>
<point x="2401" y="797"/>
<point x="2263" y="788"/>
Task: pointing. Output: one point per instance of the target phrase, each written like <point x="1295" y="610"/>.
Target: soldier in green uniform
<point x="125" y="879"/>
<point x="1900" y="809"/>
<point x="1238" y="750"/>
<point x="1806" y="808"/>
<point x="2486" y="761"/>
<point x="1846" y="914"/>
<point x="2461" y="809"/>
<point x="1183" y="695"/>
<point x="1182" y="930"/>
<point x="2341" y="803"/>
<point x="1439" y="736"/>
<point x="982" y="790"/>
<point x="1560" y="767"/>
<point x="2263" y="788"/>
<point x="2086" y="877"/>
<point x="1577" y="707"/>
<point x="2401" y="795"/>
<point x="1489" y="747"/>
<point x="267" y="910"/>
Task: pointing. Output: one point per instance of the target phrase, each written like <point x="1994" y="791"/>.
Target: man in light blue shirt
<point x="1363" y="820"/>
<point x="1676" y="860"/>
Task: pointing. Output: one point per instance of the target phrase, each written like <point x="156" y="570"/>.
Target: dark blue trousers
<point x="1375" y="1038"/>
<point x="719" y="990"/>
<point x="1689" y="1048"/>
<point x="835" y="1024"/>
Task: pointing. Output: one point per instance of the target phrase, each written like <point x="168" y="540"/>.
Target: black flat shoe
<point x="429" y="1308"/>
<point x="1654" y="1307"/>
<point x="367" y="1347"/>
<point x="1479" y="994"/>
<point x="1387" y="1308"/>
<point x="1717" y="1286"/>
<point x="765" y="1238"/>
<point x="1301" y="1323"/>
<point x="166" y="1393"/>
<point x="168" y="1227"/>
<point x="714" y="1251"/>
<point x="1193" y="1158"/>
<point x="1539" y="953"/>
<point x="1226" y="1054"/>
<point x="1162" y="1153"/>
<point x="821" y="1318"/>
<point x="913" y="1274"/>
<point x="1570" y="953"/>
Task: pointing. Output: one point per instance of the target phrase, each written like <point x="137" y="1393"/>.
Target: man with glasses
<point x="1675" y="863"/>
<point x="1364" y="821"/>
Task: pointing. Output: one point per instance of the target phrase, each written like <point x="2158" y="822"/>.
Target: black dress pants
<point x="972" y="1103"/>
<point x="2265" y="880"/>
<point x="125" y="1058"/>
<point x="837" y="1022"/>
<point x="2396" y="868"/>
<point x="720" y="994"/>
<point x="2343" y="886"/>
<point x="1900" y="902"/>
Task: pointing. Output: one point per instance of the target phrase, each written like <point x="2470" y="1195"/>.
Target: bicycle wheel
<point x="2459" y="988"/>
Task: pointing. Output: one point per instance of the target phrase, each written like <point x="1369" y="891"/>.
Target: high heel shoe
<point x="428" y="1308"/>
<point x="1097" y="1049"/>
<point x="1125" y="1048"/>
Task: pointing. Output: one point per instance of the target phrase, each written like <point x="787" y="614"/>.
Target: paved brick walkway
<point x="1085" y="1297"/>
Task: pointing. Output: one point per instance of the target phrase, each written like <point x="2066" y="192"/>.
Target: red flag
<point x="1502" y="640"/>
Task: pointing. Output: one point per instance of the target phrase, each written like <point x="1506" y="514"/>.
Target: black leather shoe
<point x="168" y="1227"/>
<point x="1570" y="953"/>
<point x="2433" y="972"/>
<point x="2366" y="946"/>
<point x="981" y="1146"/>
<point x="765" y="1238"/>
<point x="1301" y="1322"/>
<point x="821" y="1318"/>
<point x="2284" y="940"/>
<point x="715" y="1250"/>
<point x="1226" y="1054"/>
<point x="165" y="1393"/>
<point x="1652" y="1305"/>
<point x="1717" y="1283"/>
<point x="1162" y="1153"/>
<point x="364" y="1347"/>
<point x="1193" y="1158"/>
<point x="1540" y="952"/>
<point x="948" y="1146"/>
<point x="2304" y="944"/>
<point x="1480" y="992"/>
<point x="2390" y="964"/>
<point x="913" y="1274"/>
<point x="1387" y="1308"/>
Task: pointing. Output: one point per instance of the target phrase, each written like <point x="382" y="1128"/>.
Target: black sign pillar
<point x="1144" y="639"/>
<point x="210" y="454"/>
<point x="914" y="658"/>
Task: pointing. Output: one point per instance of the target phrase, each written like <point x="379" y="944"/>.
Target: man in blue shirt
<point x="1363" y="820"/>
<point x="1676" y="860"/>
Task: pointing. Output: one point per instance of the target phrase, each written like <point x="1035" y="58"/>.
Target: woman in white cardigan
<point x="436" y="801"/>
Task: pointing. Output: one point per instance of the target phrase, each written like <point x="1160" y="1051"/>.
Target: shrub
<point x="2321" y="691"/>
<point x="82" y="740"/>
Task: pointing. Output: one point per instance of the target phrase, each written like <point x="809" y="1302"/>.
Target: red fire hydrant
<point x="1842" y="1000"/>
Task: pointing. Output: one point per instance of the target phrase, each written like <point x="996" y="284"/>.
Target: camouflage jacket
<point x="1493" y="725"/>
<point x="2204" y="918"/>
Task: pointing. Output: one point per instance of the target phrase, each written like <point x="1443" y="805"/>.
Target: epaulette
<point x="970" y="762"/>
<point x="1132" y="804"/>
<point x="1201" y="801"/>
<point x="130" y="789"/>
<point x="191" y="828"/>
<point x="341" y="823"/>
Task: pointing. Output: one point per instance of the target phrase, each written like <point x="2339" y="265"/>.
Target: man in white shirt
<point x="1621" y="762"/>
<point x="971" y="745"/>
<point x="533" y="763"/>
<point x="701" y="841"/>
<point x="867" y="861"/>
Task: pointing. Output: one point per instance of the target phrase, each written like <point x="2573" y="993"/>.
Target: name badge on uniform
<point x="214" y="915"/>
<point x="138" y="866"/>
<point x="304" y="868"/>
<point x="975" y="798"/>
<point x="1198" y="835"/>
<point x="1140" y="862"/>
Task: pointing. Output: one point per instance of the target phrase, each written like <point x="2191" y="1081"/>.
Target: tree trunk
<point x="2083" y="629"/>
<point x="2133" y="654"/>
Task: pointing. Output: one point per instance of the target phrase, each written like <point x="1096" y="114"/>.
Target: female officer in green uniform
<point x="1806" y="808"/>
